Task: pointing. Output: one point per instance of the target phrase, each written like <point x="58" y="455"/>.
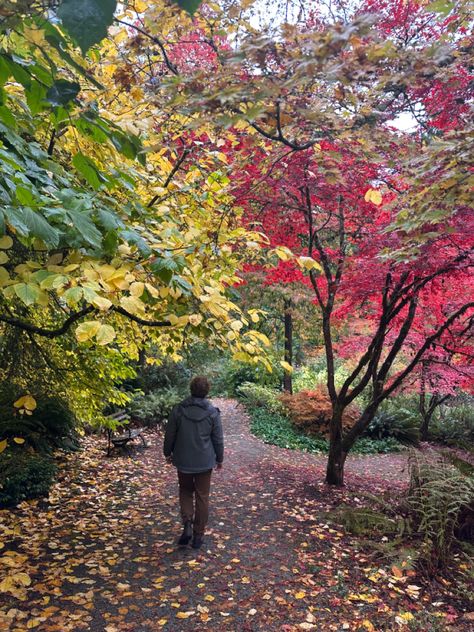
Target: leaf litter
<point x="100" y="554"/>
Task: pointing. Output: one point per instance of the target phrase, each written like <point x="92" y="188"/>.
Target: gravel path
<point x="101" y="554"/>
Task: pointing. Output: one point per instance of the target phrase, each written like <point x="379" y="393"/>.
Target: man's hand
<point x="219" y="466"/>
<point x="169" y="460"/>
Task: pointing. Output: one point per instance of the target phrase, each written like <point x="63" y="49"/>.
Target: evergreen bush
<point x="23" y="476"/>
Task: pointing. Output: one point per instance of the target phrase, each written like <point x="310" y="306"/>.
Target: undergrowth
<point x="278" y="430"/>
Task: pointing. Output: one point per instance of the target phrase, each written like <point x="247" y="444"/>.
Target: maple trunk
<point x="424" y="427"/>
<point x="287" y="377"/>
<point x="337" y="456"/>
<point x="427" y="413"/>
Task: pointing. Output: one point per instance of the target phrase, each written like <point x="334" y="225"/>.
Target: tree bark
<point x="424" y="426"/>
<point x="336" y="456"/>
<point x="427" y="413"/>
<point x="288" y="378"/>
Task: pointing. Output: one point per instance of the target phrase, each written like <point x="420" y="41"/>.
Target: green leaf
<point x="56" y="40"/>
<point x="62" y="91"/>
<point x="32" y="224"/>
<point x="27" y="292"/>
<point x="85" y="227"/>
<point x="7" y="117"/>
<point x="35" y="96"/>
<point x="73" y="295"/>
<point x="5" y="70"/>
<point x="128" y="145"/>
<point x="88" y="169"/>
<point x="87" y="21"/>
<point x="132" y="237"/>
<point x="109" y="220"/>
<point x="164" y="269"/>
<point x="189" y="5"/>
<point x="25" y="196"/>
<point x="110" y="242"/>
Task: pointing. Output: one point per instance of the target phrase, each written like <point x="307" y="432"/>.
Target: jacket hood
<point x="196" y="408"/>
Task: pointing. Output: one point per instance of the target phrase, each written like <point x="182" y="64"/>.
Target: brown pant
<point x="198" y="486"/>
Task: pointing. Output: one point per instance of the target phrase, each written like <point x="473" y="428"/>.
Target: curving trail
<point x="101" y="556"/>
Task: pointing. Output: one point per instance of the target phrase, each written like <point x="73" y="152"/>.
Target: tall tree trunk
<point x="288" y="378"/>
<point x="337" y="456"/>
<point x="425" y="425"/>
<point x="427" y="414"/>
<point x="142" y="368"/>
<point x="424" y="412"/>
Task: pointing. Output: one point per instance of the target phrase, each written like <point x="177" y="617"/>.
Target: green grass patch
<point x="278" y="430"/>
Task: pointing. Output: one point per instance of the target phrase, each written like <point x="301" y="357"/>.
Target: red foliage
<point x="311" y="411"/>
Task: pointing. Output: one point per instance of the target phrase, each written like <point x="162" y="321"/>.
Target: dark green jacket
<point x="194" y="436"/>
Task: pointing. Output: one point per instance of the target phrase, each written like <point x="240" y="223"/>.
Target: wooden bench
<point x="121" y="441"/>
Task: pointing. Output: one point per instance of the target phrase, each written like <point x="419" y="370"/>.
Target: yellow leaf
<point x="105" y="335"/>
<point x="374" y="196"/>
<point x="254" y="316"/>
<point x="308" y="263"/>
<point x="3" y="445"/>
<point x="283" y="253"/>
<point x="286" y="366"/>
<point x="87" y="330"/>
<point x="27" y="401"/>
<point x="209" y="598"/>
<point x="22" y="578"/>
<point x="4" y="258"/>
<point x="300" y="594"/>
<point x="4" y="277"/>
<point x="368" y="625"/>
<point x="195" y="319"/>
<point x="102" y="303"/>
<point x="236" y="325"/>
<point x="132" y="304"/>
<point x="137" y="288"/>
<point x="184" y="615"/>
<point x="406" y="616"/>
<point x="34" y="35"/>
<point x="18" y="440"/>
<point x="140" y="6"/>
<point x="6" y="242"/>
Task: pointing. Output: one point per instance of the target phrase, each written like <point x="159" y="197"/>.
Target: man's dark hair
<point x="199" y="386"/>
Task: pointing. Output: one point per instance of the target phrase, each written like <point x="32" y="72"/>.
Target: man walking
<point x="194" y="443"/>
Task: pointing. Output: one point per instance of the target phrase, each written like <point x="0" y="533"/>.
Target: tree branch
<point x="42" y="331"/>
<point x="171" y="174"/>
<point x="154" y="39"/>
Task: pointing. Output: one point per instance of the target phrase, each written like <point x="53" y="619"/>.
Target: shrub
<point x="311" y="411"/>
<point x="154" y="408"/>
<point x="367" y="445"/>
<point x="24" y="476"/>
<point x="155" y="377"/>
<point x="367" y="521"/>
<point x="257" y="396"/>
<point x="278" y="430"/>
<point x="455" y="427"/>
<point x="402" y="425"/>
<point x="52" y="425"/>
<point x="314" y="375"/>
<point x="438" y="495"/>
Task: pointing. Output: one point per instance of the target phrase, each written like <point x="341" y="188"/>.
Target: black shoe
<point x="187" y="534"/>
<point x="197" y="541"/>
